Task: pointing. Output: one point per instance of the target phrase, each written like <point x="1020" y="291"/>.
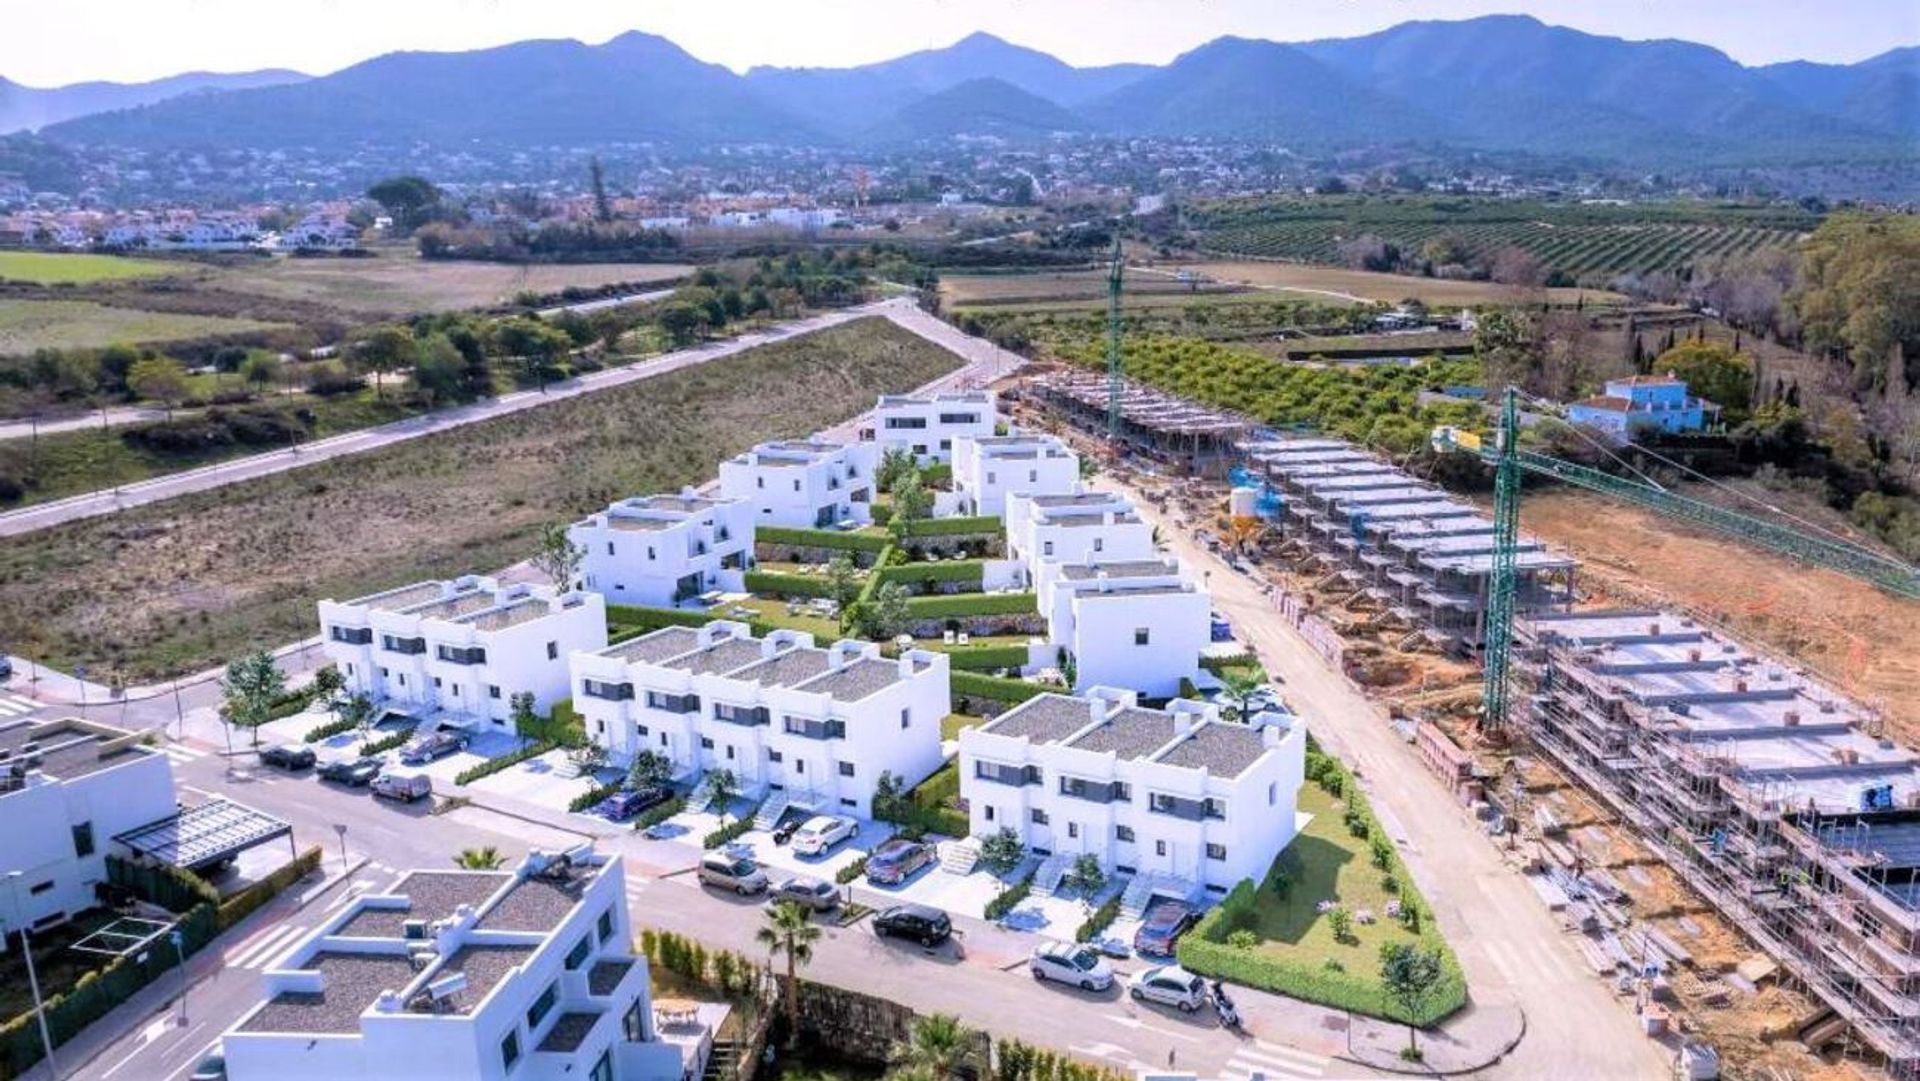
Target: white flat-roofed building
<point x="467" y="976"/>
<point x="664" y="549"/>
<point x="1174" y="793"/>
<point x="1139" y="623"/>
<point x="803" y="484"/>
<point x="463" y="647"/>
<point x="1075" y="527"/>
<point x="67" y="787"/>
<point x="808" y="725"/>
<point x="929" y="426"/>
<point x="988" y="469"/>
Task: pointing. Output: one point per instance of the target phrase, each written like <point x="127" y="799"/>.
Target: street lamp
<point x="33" y="978"/>
<point x="180" y="955"/>
<point x="340" y="828"/>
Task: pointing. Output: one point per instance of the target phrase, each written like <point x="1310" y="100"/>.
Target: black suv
<point x="290" y="756"/>
<point x="924" y="924"/>
<point x="352" y="772"/>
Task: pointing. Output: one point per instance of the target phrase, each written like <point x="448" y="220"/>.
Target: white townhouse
<point x="1176" y="794"/>
<point x="527" y="973"/>
<point x="68" y="787"/>
<point x="803" y="483"/>
<point x="463" y="647"/>
<point x="805" y="726"/>
<point x="928" y="426"/>
<point x="1075" y="527"/>
<point x="1139" y="624"/>
<point x="664" y="549"/>
<point x="988" y="469"/>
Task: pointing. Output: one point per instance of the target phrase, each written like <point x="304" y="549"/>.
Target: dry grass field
<point x="1336" y="282"/>
<point x="182" y="585"/>
<point x="399" y="283"/>
<point x="26" y="325"/>
<point x="62" y="268"/>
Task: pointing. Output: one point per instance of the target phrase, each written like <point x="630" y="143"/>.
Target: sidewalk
<point x="1471" y="1040"/>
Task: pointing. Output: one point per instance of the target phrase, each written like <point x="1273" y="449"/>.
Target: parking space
<point x="541" y="780"/>
<point x="482" y="746"/>
<point x="781" y="859"/>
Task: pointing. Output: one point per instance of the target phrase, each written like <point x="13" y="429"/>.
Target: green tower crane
<point x="1114" y="271"/>
<point x="1510" y="462"/>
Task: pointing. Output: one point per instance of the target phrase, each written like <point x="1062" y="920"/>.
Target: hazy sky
<point x="49" y="42"/>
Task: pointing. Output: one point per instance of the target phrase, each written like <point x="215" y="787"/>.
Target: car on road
<point x="807" y="891"/>
<point x="287" y="756"/>
<point x="1169" y="985"/>
<point x="736" y="873"/>
<point x="922" y="923"/>
<point x="821" y="832"/>
<point x="405" y="786"/>
<point x="896" y="861"/>
<point x="352" y="772"/>
<point x="211" y="1068"/>
<point x="628" y="802"/>
<point x="1163" y="924"/>
<point x="433" y="746"/>
<point x="1071" y="962"/>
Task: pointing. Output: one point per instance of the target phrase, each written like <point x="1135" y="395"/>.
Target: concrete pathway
<point x="27" y="429"/>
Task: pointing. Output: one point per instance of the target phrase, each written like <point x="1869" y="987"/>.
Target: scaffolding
<point x="1171" y="432"/>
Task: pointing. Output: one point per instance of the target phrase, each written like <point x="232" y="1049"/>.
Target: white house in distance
<point x="987" y="470"/>
<point x="813" y="727"/>
<point x="475" y="975"/>
<point x="463" y="647"/>
<point x="1138" y="623"/>
<point x="930" y="426"/>
<point x="805" y="484"/>
<point x="1071" y="528"/>
<point x="663" y="549"/>
<point x="66" y="788"/>
<point x="1174" y="794"/>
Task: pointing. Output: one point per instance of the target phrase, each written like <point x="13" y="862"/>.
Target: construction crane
<point x="1114" y="271"/>
<point x="1509" y="462"/>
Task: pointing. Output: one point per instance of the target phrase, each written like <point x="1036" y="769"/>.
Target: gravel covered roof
<point x="719" y="657"/>
<point x="485" y="967"/>
<point x="537" y="903"/>
<point x="1129" y="733"/>
<point x="1043" y="718"/>
<point x="656" y="645"/>
<point x="434" y="896"/>
<point x="1224" y="750"/>
<point x="855" y="680"/>
<point x="351" y="982"/>
<point x="786" y="669"/>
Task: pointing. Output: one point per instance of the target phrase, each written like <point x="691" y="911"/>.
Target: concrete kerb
<point x="320" y="889"/>
<point x="1378" y="1052"/>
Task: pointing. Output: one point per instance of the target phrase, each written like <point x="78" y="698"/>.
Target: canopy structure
<point x="213" y="832"/>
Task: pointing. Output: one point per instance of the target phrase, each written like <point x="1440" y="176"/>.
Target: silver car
<point x="736" y="873"/>
<point x="1170" y="985"/>
<point x="806" y="891"/>
<point x="1070" y="962"/>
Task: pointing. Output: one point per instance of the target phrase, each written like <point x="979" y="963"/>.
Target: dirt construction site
<point x="1718" y="986"/>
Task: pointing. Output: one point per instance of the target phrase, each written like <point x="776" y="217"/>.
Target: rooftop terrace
<point x="855" y="680"/>
<point x="351" y="982"/>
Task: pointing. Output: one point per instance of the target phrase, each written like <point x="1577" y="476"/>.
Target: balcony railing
<point x="353" y="636"/>
<point x="673" y="703"/>
<point x="461" y="654"/>
<point x="410" y="646"/>
<point x="810" y="728"/>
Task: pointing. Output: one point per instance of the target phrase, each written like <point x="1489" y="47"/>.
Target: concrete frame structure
<point x="806" y="726"/>
<point x="463" y="647"/>
<point x="807" y="484"/>
<point x="1156" y="426"/>
<point x="665" y="549"/>
<point x="470" y="975"/>
<point x="1173" y="795"/>
<point x="929" y="426"/>
<point x="987" y="471"/>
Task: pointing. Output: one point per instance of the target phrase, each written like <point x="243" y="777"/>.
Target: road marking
<point x="354" y="889"/>
<point x="180" y="754"/>
<point x="194" y="1060"/>
<point x="16" y="707"/>
<point x="266" y="946"/>
<point x="1239" y="1068"/>
<point x="1135" y="1022"/>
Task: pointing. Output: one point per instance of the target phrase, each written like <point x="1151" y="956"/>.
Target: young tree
<point x="1000" y="852"/>
<point x="887" y="614"/>
<point x="161" y="379"/>
<point x="525" y="720"/>
<point x="887" y="801"/>
<point x="260" y="371"/>
<point x="649" y="768"/>
<point x="789" y="932"/>
<point x="1087" y="876"/>
<point x="327" y="685"/>
<point x="1410" y="975"/>
<point x="895" y="464"/>
<point x="587" y="759"/>
<point x="557" y="556"/>
<point x="357" y="708"/>
<point x="252" y="683"/>
<point x="439" y="373"/>
<point x="681" y="321"/>
<point x="382" y="350"/>
<point x="843" y="585"/>
<point x="538" y="346"/>
<point x="911" y="499"/>
<point x="722" y="787"/>
<point x="487" y="858"/>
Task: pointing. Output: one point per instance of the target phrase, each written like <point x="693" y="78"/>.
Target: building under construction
<point x="1171" y="433"/>
<point x="1402" y="542"/>
<point x="1770" y="794"/>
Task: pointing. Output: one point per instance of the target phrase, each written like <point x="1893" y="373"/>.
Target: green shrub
<point x="1243" y="939"/>
<point x="505" y="761"/>
<point x="819" y="538"/>
<point x="975" y="658"/>
<point x="1101" y="919"/>
<point x="329" y="730"/>
<point x="653" y="816"/>
<point x="594" y="795"/>
<point x="973" y="604"/>
<point x="1010" y="691"/>
<point x="967" y="572"/>
<point x="243" y="904"/>
<point x="387" y="743"/>
<point x="851" y="871"/>
<point x="731" y="831"/>
<point x="781" y="585"/>
<point x="956" y="527"/>
<point x="1009" y="898"/>
<point x="633" y="620"/>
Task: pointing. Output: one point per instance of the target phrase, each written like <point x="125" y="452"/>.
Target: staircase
<point x="770" y="811"/>
<point x="1148" y="885"/>
<point x="1046" y="880"/>
<point x="723" y="1062"/>
<point x="959" y="857"/>
<point x="701" y="797"/>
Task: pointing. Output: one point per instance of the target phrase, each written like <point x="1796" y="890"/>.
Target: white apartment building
<point x="807" y="726"/>
<point x="1175" y="793"/>
<point x="67" y="787"/>
<point x="929" y="426"/>
<point x="1139" y="624"/>
<point x="1075" y="527"/>
<point x="664" y="549"/>
<point x="987" y="470"/>
<point x="463" y="647"/>
<point x="802" y="483"/>
<point x="467" y="976"/>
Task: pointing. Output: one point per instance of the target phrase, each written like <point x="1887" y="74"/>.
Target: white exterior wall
<point x="931" y="427"/>
<point x="648" y="566"/>
<point x="894" y="730"/>
<point x="1039" y="534"/>
<point x="803" y="488"/>
<point x="1108" y="653"/>
<point x="986" y="471"/>
<point x="38" y="839"/>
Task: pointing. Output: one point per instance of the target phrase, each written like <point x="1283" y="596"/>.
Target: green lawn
<point x="1326" y="862"/>
<point x="54" y="268"/>
<point x="952" y="723"/>
<point x="774" y="612"/>
<point x="26" y="325"/>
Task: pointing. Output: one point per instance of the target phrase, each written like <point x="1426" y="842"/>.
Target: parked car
<point x="1071" y="962"/>
<point x="1169" y="985"/>
<point x="896" y="861"/>
<point x="405" y="787"/>
<point x="432" y="746"/>
<point x="923" y="923"/>
<point x="352" y="772"/>
<point x="211" y="1068"/>
<point x="822" y="832"/>
<point x="288" y="756"/>
<point x="628" y="802"/>
<point x="1164" y="922"/>
<point x="806" y="890"/>
<point x="6" y="666"/>
<point x="736" y="873"/>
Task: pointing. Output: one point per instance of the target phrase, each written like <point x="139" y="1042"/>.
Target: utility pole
<point x="33" y="978"/>
<point x="1114" y="272"/>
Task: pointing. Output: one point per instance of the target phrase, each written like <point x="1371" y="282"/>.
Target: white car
<point x="819" y="834"/>
<point x="1170" y="985"/>
<point x="1070" y="962"/>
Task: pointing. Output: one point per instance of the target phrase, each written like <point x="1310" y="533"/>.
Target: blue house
<point x="1642" y="404"/>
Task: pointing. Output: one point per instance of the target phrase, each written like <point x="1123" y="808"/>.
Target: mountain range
<point x="1497" y="83"/>
<point x="25" y="108"/>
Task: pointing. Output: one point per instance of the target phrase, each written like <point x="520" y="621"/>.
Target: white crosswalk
<point x="259" y="953"/>
<point x="182" y="753"/>
<point x="1258" y="1057"/>
<point x="1525" y="962"/>
<point x="12" y="705"/>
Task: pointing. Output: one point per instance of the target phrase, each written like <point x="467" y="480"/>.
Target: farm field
<point x="26" y="325"/>
<point x="184" y="584"/>
<point x="396" y="283"/>
<point x="58" y="268"/>
<point x="967" y="290"/>
<point x="1323" y="282"/>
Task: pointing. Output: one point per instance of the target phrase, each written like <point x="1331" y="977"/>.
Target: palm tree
<point x="938" y="1045"/>
<point x="1240" y="684"/>
<point x="789" y="930"/>
<point x="479" y="859"/>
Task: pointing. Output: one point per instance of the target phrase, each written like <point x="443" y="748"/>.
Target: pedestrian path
<point x="12" y="706"/>
<point x="181" y="753"/>
<point x="1258" y="1058"/>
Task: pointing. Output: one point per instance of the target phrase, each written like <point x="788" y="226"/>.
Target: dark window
<point x="578" y="955"/>
<point x="845" y="802"/>
<point x="1039" y="817"/>
<point x="633" y="1026"/>
<point x="1123" y="833"/>
<point x="603" y="1069"/>
<point x="729" y="752"/>
<point x="83" y="839"/>
<point x="510" y="1050"/>
<point x="461" y="655"/>
<point x="1073" y="829"/>
<point x="1140" y="636"/>
<point x="775" y="756"/>
<point x="1159" y="848"/>
<point x="393" y="644"/>
<point x="673" y="703"/>
<point x="42" y="887"/>
<point x="1216" y="852"/>
<point x="612" y="692"/>
<point x="706" y="744"/>
<point x="553" y="651"/>
<point x="606" y="925"/>
<point x="989" y="812"/>
<point x="493" y="690"/>
<point x="906" y="718"/>
<point x="641" y="729"/>
<point x="846" y="769"/>
<point x="543" y="1005"/>
<point x="353" y="636"/>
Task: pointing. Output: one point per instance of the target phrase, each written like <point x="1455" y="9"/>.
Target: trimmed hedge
<point x="1011" y="691"/>
<point x="931" y="806"/>
<point x="1009" y="898"/>
<point x="1101" y="919"/>
<point x="955" y="527"/>
<point x="329" y="730"/>
<point x="505" y="761"/>
<point x="851" y="871"/>
<point x="778" y="584"/>
<point x="653" y="816"/>
<point x="819" y="538"/>
<point x="243" y="904"/>
<point x="731" y="831"/>
<point x="387" y="743"/>
<point x="973" y="604"/>
<point x="969" y="572"/>
<point x="640" y="618"/>
<point x="964" y="658"/>
<point x="594" y="795"/>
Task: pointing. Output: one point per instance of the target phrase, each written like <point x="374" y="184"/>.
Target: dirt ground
<point x="1865" y="640"/>
<point x="396" y="283"/>
<point x="1365" y="285"/>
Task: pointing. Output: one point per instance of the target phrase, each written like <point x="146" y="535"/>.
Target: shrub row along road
<point x="93" y="504"/>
